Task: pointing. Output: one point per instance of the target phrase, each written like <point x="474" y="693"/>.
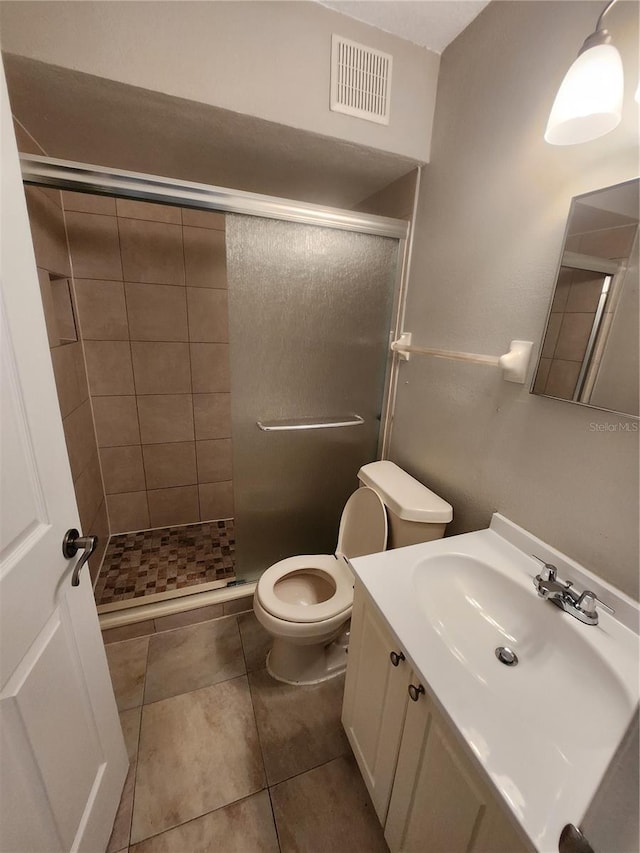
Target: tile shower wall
<point x="574" y="308"/>
<point x="52" y="258"/>
<point x="152" y="306"/>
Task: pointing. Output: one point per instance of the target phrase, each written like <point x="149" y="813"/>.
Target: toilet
<point x="305" y="602"/>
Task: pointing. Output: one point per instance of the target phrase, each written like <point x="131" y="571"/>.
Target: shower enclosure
<point x="249" y="354"/>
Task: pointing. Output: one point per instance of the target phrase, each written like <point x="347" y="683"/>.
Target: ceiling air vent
<point x="360" y="80"/>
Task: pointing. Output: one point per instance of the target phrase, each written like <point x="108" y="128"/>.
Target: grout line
<point x="275" y="822"/>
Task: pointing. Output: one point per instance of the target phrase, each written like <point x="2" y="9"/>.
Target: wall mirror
<point x="590" y="351"/>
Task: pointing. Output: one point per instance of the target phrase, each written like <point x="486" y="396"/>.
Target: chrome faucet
<point x="580" y="605"/>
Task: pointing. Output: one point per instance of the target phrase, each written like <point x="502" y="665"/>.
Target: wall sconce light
<point x="589" y="101"/>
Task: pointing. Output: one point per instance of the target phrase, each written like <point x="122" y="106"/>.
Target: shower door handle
<point x="71" y="544"/>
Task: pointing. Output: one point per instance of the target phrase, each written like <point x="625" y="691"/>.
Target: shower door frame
<point x="102" y="180"/>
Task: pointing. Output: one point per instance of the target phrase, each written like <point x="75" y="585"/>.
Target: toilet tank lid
<point x="404" y="495"/>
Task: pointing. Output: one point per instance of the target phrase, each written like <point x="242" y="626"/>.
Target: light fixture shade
<point x="589" y="101"/>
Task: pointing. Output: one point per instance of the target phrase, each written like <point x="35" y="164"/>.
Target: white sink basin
<point x="545" y="729"/>
<point x="474" y="609"/>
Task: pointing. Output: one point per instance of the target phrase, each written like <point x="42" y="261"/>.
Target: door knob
<point x="71" y="544"/>
<point x="396" y="657"/>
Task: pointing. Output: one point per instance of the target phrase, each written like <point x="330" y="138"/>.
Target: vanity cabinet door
<point x="375" y="700"/>
<point x="439" y="802"/>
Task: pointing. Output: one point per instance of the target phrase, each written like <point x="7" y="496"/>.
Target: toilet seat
<point x="333" y="568"/>
<point x="363" y="530"/>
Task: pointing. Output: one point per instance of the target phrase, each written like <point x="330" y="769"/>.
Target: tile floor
<point x="224" y="758"/>
<point x="168" y="558"/>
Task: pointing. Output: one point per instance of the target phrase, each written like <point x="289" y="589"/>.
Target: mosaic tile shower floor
<point x="169" y="558"/>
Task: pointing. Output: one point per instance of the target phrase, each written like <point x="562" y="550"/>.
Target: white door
<point x="63" y="760"/>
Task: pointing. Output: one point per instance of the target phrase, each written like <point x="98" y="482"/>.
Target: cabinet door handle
<point x="415" y="692"/>
<point x="396" y="657"/>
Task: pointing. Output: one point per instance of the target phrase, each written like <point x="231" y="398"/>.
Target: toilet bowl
<point x="305" y="602"/>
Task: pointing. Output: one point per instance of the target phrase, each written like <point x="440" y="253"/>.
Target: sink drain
<point x="506" y="656"/>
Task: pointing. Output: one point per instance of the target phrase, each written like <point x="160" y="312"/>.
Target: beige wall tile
<point x="165" y="418"/>
<point x="80" y="438"/>
<point x="47" y="232"/>
<point x="122" y="469"/>
<point x="563" y="376"/>
<point x="81" y="371"/>
<point x="573" y="336"/>
<point x="203" y="218"/>
<point x="205" y="258"/>
<point x="64" y="310"/>
<point x="561" y="293"/>
<point x="551" y="336"/>
<point x="161" y="368"/>
<point x="46" y="295"/>
<point x="208" y="314"/>
<point x="109" y="368"/>
<point x="133" y="209"/>
<point x="151" y="251"/>
<point x="99" y="527"/>
<point x="102" y="311"/>
<point x="157" y="312"/>
<point x="116" y="420"/>
<point x="173" y="506"/>
<point x="212" y="415"/>
<point x="210" y="368"/>
<point x="171" y="464"/>
<point x="89" y="493"/>
<point x="216" y="500"/>
<point x="88" y="203"/>
<point x="70" y="390"/>
<point x="214" y="460"/>
<point x="94" y="244"/>
<point x="128" y="512"/>
<point x="585" y="291"/>
<point x="541" y="376"/>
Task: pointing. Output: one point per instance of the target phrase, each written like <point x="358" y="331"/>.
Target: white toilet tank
<point x="415" y="513"/>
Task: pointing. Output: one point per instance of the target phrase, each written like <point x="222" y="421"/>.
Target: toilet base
<point x="295" y="664"/>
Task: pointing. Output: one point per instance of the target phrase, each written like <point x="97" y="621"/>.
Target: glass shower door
<point x="310" y="313"/>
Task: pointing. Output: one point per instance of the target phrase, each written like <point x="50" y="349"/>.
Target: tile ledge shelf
<point x="142" y="612"/>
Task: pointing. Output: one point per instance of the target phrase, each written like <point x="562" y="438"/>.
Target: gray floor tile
<point x="299" y="726"/>
<point x="127" y="661"/>
<point x="130" y="721"/>
<point x="198" y="751"/>
<point x="256" y="642"/>
<point x="327" y="809"/>
<point x="243" y="827"/>
<point x="193" y="657"/>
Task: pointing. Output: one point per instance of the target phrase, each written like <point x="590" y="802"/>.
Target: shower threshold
<point x="157" y="565"/>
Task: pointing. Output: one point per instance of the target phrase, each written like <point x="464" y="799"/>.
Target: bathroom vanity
<point x="463" y="748"/>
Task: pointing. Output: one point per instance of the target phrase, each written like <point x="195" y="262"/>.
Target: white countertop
<point x="544" y="731"/>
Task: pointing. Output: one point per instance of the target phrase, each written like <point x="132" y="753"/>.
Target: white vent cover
<point x="360" y="80"/>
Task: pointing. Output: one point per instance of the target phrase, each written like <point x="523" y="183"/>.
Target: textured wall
<point x="490" y="226"/>
<point x="266" y="59"/>
<point x="46" y="219"/>
<point x="151" y="282"/>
